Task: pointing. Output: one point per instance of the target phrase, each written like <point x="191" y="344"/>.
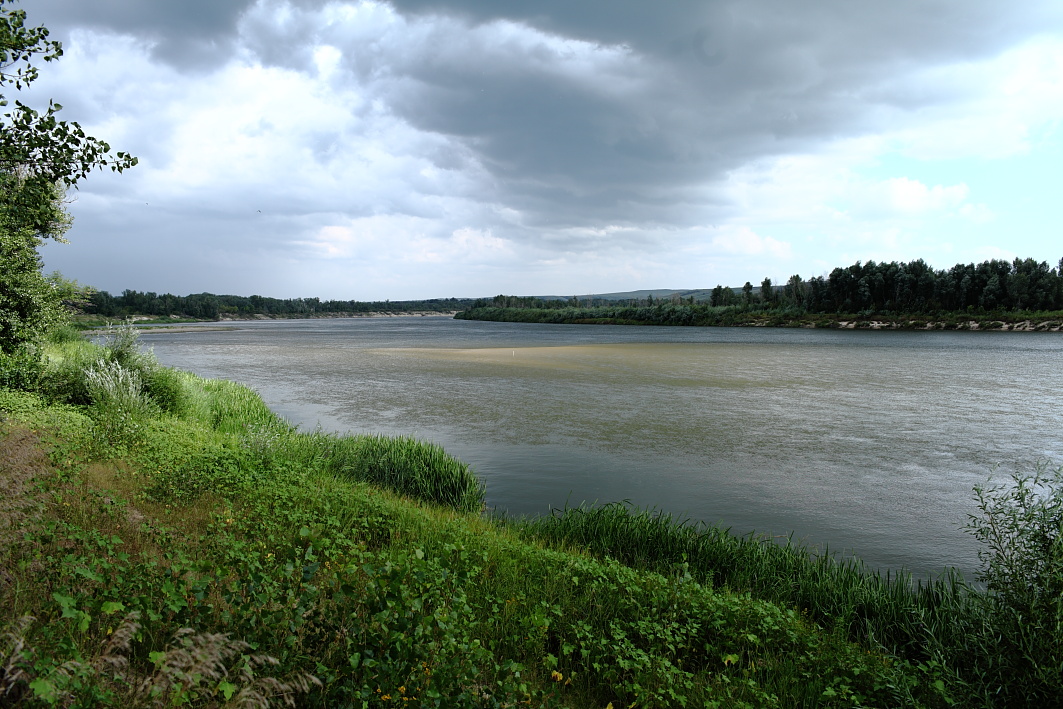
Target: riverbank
<point x="91" y="321"/>
<point x="186" y="502"/>
<point x="352" y="314"/>
<point x="737" y="316"/>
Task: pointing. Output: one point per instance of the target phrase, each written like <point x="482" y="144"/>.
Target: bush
<point x="123" y="347"/>
<point x="168" y="389"/>
<point x="1020" y="524"/>
<point x="117" y="395"/>
<point x="21" y="369"/>
<point x="63" y="334"/>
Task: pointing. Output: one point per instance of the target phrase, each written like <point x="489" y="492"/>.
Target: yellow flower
<point x="556" y="676"/>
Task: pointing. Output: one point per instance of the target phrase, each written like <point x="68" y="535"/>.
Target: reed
<point x="407" y="466"/>
<point x="904" y="616"/>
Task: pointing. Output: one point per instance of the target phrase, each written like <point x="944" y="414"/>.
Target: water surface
<point x="863" y="441"/>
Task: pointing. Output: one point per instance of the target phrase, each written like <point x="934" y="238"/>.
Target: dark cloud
<point x="721" y="83"/>
<point x="546" y="120"/>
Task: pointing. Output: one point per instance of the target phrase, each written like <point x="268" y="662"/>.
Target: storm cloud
<point x="422" y="149"/>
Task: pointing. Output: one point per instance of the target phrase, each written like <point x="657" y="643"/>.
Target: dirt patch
<point x="21" y="460"/>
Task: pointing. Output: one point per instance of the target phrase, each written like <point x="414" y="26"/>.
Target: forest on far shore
<point x="866" y="289"/>
<point x="208" y="306"/>
<point x="992" y="287"/>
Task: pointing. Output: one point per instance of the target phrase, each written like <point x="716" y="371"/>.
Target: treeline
<point x="531" y="301"/>
<point x="208" y="306"/>
<point x="914" y="287"/>
<point x="863" y="290"/>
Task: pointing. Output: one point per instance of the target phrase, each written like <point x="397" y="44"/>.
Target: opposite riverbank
<point x="741" y="316"/>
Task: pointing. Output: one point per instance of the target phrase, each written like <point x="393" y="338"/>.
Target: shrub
<point x="194" y="667"/>
<point x="117" y="395"/>
<point x="169" y="389"/>
<point x="123" y="346"/>
<point x="21" y="369"/>
<point x="1020" y="523"/>
<point x="63" y="334"/>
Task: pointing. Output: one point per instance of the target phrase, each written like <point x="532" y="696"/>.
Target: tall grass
<point x="109" y="384"/>
<point x="891" y="611"/>
<point x="408" y="466"/>
<point x="1002" y="647"/>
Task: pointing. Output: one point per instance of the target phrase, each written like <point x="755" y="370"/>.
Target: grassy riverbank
<point x="753" y="316"/>
<point x="166" y="539"/>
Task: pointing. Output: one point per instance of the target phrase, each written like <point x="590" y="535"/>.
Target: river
<point x="858" y="441"/>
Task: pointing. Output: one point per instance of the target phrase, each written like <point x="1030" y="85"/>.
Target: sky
<point x="436" y="148"/>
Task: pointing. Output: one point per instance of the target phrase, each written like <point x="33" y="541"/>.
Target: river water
<point x="859" y="441"/>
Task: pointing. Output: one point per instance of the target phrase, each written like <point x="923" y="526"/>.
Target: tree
<point x="795" y="291"/>
<point x="767" y="293"/>
<point x="40" y="158"/>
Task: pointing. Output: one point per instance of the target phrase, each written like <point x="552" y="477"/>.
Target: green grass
<point x="876" y="609"/>
<point x="383" y="599"/>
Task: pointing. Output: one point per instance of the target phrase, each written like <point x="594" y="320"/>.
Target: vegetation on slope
<point x="181" y="544"/>
<point x="179" y="533"/>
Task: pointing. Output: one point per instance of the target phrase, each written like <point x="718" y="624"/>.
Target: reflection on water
<point x="869" y="441"/>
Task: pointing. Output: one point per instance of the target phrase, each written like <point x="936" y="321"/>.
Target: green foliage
<point x="444" y="610"/>
<point x="1023" y="289"/>
<point x="111" y="379"/>
<point x="27" y="305"/>
<point x="123" y="347"/>
<point x="118" y="398"/>
<point x="21" y="368"/>
<point x="1020" y="526"/>
<point x="210" y="306"/>
<point x="169" y="389"/>
<point x="13" y="401"/>
<point x="840" y="593"/>
<point x="417" y="469"/>
<point x="40" y="156"/>
<point x="63" y="380"/>
<point x="39" y="144"/>
<point x="63" y="334"/>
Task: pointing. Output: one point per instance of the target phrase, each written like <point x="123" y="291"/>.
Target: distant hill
<point x="699" y="294"/>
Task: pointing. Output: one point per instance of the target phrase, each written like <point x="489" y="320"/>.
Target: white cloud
<point x="463" y="249"/>
<point x="902" y="197"/>
<point x="995" y="108"/>
<point x="743" y="241"/>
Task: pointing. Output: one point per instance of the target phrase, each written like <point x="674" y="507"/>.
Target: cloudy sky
<point x="434" y="148"/>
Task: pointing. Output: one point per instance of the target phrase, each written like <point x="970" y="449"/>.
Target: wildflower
<point x="556" y="676"/>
